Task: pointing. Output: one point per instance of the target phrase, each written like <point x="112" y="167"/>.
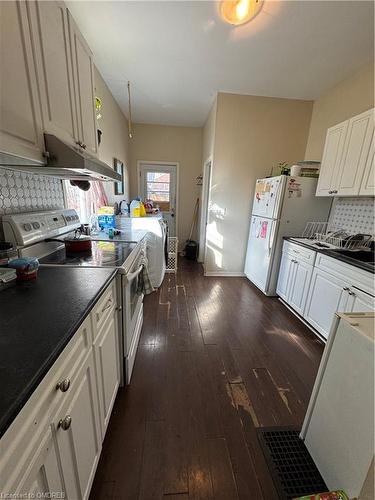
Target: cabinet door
<point x="107" y="359"/>
<point x="42" y="478"/>
<point x="79" y="441"/>
<point x="356" y="150"/>
<point x="299" y="286"/>
<point x="84" y="87"/>
<point x="285" y="274"/>
<point x="54" y="64"/>
<point x="327" y="295"/>
<point x="360" y="301"/>
<point x="21" y="131"/>
<point x="368" y="182"/>
<point x="333" y="150"/>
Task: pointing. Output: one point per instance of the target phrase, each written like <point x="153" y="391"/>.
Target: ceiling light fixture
<point x="240" y="11"/>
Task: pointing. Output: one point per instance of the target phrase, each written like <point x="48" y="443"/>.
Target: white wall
<point x="348" y="98"/>
<point x="115" y="140"/>
<point x="171" y="144"/>
<point x="252" y="135"/>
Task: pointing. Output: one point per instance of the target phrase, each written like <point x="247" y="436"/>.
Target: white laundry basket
<point x="172" y="255"/>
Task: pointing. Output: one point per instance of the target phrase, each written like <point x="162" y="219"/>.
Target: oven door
<point x="133" y="301"/>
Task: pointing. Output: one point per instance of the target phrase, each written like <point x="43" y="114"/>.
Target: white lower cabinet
<point x="299" y="286"/>
<point x="78" y="433"/>
<point x="360" y="301"/>
<point x="327" y="295"/>
<point x="43" y="475"/>
<point x="107" y="360"/>
<point x="294" y="279"/>
<point x="53" y="446"/>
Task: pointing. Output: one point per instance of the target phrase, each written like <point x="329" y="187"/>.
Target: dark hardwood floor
<point x="216" y="360"/>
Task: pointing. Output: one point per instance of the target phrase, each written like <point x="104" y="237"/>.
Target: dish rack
<point x="172" y="255"/>
<point x="337" y="237"/>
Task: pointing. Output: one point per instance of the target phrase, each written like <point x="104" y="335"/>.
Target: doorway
<point x="206" y="186"/>
<point x="158" y="182"/>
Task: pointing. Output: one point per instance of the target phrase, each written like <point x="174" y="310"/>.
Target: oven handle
<point x="131" y="276"/>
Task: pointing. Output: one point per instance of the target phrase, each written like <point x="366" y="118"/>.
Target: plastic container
<point x="26" y="268"/>
<point x="106" y="221"/>
<point x="135" y="208"/>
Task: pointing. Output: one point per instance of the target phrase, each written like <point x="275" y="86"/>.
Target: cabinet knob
<point x="63" y="385"/>
<point x="83" y="145"/>
<point x="345" y="288"/>
<point x="351" y="293"/>
<point x="65" y="423"/>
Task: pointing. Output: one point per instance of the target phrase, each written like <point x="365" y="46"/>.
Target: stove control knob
<point x="27" y="226"/>
<point x="68" y="218"/>
<point x="36" y="225"/>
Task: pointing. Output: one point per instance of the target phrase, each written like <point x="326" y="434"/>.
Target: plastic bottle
<point x="135" y="208"/>
<point x="142" y="210"/>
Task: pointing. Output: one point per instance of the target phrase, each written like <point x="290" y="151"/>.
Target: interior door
<point x="159" y="184"/>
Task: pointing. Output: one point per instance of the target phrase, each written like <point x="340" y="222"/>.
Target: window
<point x="86" y="203"/>
<point x="158" y="189"/>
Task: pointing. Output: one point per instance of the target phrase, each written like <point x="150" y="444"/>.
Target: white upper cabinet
<point x="83" y="76"/>
<point x="347" y="168"/>
<point x="21" y="131"/>
<point x="356" y="150"/>
<point x="54" y="65"/>
<point x="331" y="160"/>
<point x="368" y="182"/>
<point x="49" y="84"/>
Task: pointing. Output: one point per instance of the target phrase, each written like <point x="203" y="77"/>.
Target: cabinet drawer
<point x="104" y="308"/>
<point x="299" y="252"/>
<point x="353" y="275"/>
<point x="35" y="415"/>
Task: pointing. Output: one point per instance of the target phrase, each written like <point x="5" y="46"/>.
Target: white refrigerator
<point x="282" y="206"/>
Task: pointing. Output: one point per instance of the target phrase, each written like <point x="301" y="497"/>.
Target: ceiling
<point x="178" y="54"/>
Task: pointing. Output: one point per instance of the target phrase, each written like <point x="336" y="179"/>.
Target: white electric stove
<point x="29" y="232"/>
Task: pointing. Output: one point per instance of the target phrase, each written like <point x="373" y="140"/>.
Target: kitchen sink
<point x="362" y="255"/>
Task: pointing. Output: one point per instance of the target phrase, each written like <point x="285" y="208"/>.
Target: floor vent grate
<point x="292" y="469"/>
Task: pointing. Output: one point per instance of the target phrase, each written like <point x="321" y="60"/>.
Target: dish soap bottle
<point x="135" y="208"/>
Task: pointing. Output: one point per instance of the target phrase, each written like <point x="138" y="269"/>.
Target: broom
<point x="189" y="242"/>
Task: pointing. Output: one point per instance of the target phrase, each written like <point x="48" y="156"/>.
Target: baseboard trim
<point x="225" y="274"/>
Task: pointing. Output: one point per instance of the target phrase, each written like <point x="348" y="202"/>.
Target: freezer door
<point x="268" y="197"/>
<point x="260" y="251"/>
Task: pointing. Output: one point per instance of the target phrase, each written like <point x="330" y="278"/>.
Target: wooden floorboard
<point x="216" y="360"/>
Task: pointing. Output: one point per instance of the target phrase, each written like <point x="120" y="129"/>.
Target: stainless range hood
<point x="66" y="162"/>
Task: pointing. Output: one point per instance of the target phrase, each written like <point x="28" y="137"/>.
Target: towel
<point x="144" y="283"/>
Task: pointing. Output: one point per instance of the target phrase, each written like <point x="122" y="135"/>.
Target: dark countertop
<point x="335" y="255"/>
<point x="37" y="320"/>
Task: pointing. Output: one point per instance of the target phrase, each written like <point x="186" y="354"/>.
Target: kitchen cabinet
<point x="83" y="77"/>
<point x="107" y="356"/>
<point x="21" y="132"/>
<point x="346" y="157"/>
<point x="285" y="271"/>
<point x="327" y="295"/>
<point x="295" y="273"/>
<point x="43" y="475"/>
<point x="49" y="21"/>
<point x="360" y="301"/>
<point x="49" y="85"/>
<point x="299" y="285"/>
<point x="54" y="443"/>
<point x="368" y="182"/>
<point x="78" y="433"/>
<point x="332" y="154"/>
<point x="356" y="150"/>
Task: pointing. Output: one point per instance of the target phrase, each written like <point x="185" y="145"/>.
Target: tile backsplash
<point x="27" y="192"/>
<point x="354" y="215"/>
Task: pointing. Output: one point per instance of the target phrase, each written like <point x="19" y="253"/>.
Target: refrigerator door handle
<point x="272" y="237"/>
<point x="277" y="199"/>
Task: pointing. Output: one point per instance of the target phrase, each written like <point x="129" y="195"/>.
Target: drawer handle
<point x="65" y="423"/>
<point x="346" y="288"/>
<point x="351" y="293"/>
<point x="63" y="385"/>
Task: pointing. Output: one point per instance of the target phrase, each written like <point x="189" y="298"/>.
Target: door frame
<point x="175" y="164"/>
<point x="205" y="200"/>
